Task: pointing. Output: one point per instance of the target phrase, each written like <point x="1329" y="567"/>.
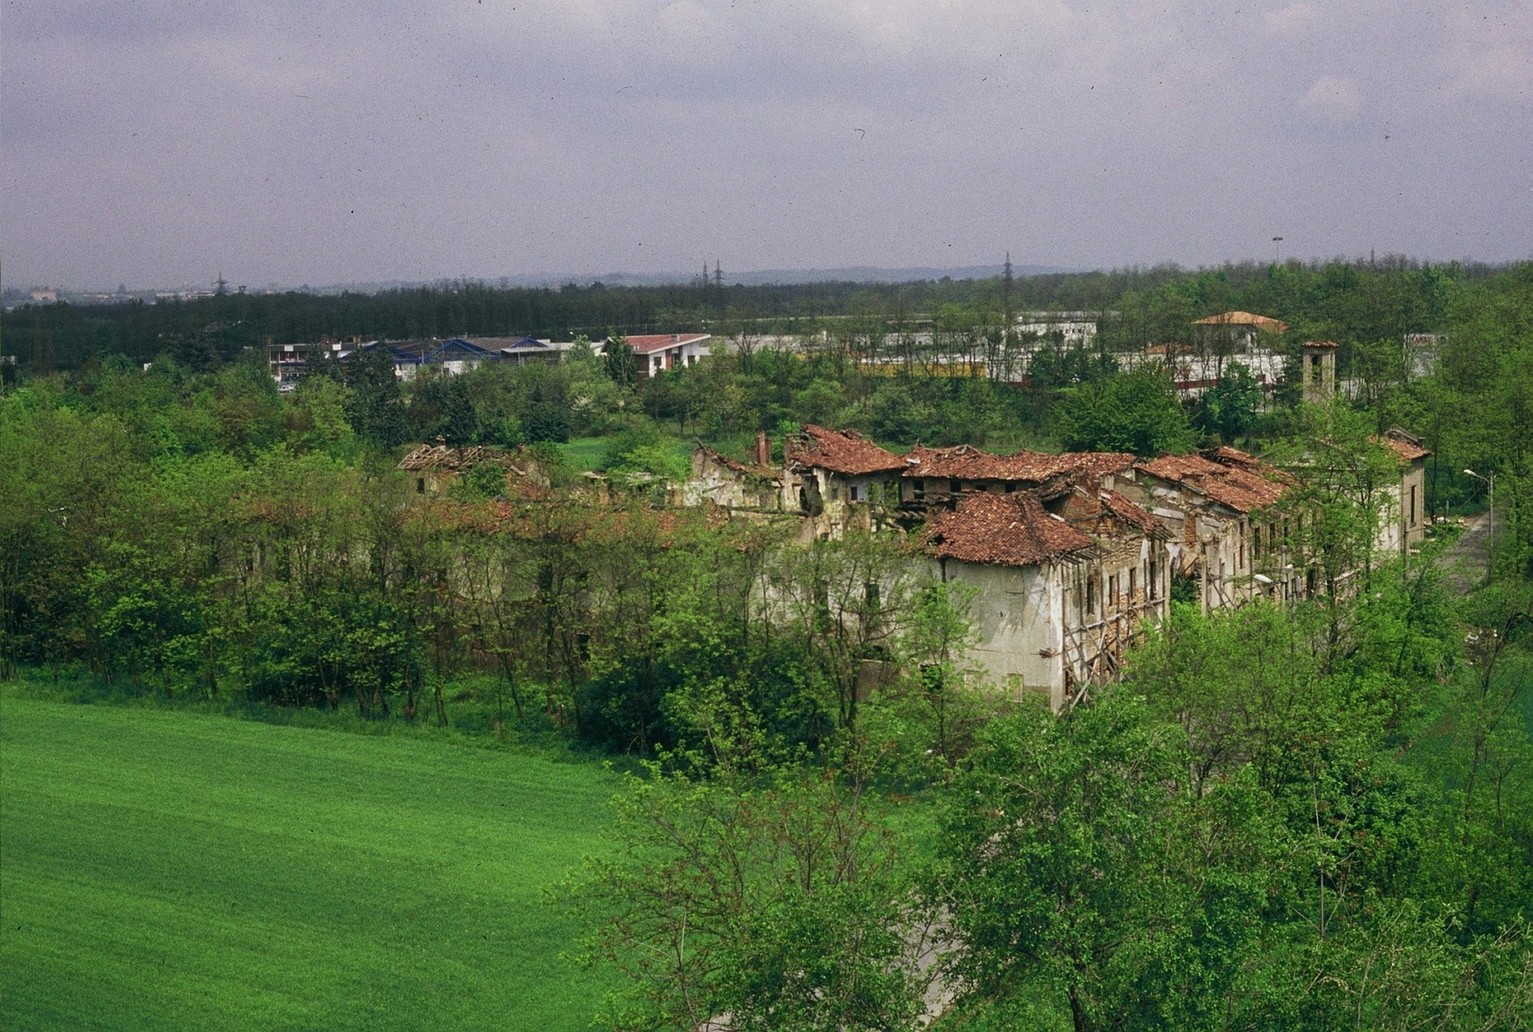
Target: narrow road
<point x="1464" y="563"/>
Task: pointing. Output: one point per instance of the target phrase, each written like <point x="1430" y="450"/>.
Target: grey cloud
<point x="152" y="140"/>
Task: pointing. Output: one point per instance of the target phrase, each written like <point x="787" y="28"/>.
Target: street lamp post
<point x="1490" y="483"/>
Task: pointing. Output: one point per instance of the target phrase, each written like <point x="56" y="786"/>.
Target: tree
<point x="316" y="417"/>
<point x="546" y="420"/>
<point x="1372" y="886"/>
<point x="1488" y="851"/>
<point x="940" y="701"/>
<point x="376" y="405"/>
<point x="440" y="406"/>
<point x="620" y="361"/>
<point x="1343" y="496"/>
<point x="895" y="415"/>
<point x="244" y="407"/>
<point x="1244" y="684"/>
<point x="1228" y="408"/>
<point x="1134" y="412"/>
<point x="641" y="453"/>
<point x="1074" y="864"/>
<point x="1054" y="364"/>
<point x="849" y="602"/>
<point x="783" y="905"/>
<point x="1394" y="969"/>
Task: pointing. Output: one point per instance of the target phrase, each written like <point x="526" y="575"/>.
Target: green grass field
<point x="585" y="453"/>
<point x="170" y="870"/>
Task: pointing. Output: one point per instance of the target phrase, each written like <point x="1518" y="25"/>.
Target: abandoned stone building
<point x="839" y="478"/>
<point x="747" y="487"/>
<point x="437" y="466"/>
<point x="1069" y="556"/>
<point x="1057" y="596"/>
<point x="1405" y="526"/>
<point x="938" y="477"/>
<point x="1226" y="537"/>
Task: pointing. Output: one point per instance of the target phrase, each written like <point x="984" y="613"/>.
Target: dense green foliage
<point x="1283" y="818"/>
<point x="1267" y="825"/>
<point x="1110" y="869"/>
<point x="1135" y="412"/>
<point x="783" y="903"/>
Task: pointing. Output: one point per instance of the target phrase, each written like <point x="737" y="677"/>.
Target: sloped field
<point x="164" y="870"/>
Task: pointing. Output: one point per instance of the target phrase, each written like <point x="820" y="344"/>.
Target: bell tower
<point x="1317" y="359"/>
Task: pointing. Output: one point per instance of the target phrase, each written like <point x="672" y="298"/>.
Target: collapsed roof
<point x="1228" y="476"/>
<point x="1005" y="530"/>
<point x="966" y="462"/>
<point x="838" y="451"/>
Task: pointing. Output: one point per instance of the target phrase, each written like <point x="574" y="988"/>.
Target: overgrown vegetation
<point x="1282" y="818"/>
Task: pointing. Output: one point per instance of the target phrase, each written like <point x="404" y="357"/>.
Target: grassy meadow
<point x="173" y="870"/>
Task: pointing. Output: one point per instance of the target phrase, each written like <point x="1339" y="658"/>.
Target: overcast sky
<point x="160" y="142"/>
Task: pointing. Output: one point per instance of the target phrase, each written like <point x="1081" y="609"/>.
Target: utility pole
<point x="1006" y="282"/>
<point x="1009" y="317"/>
<point x="42" y="349"/>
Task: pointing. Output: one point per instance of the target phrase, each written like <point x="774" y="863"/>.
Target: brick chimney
<point x="763" y="449"/>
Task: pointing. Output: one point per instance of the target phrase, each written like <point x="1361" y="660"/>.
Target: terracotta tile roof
<point x="1260" y="322"/>
<point x="1406" y="446"/>
<point x="1235" y="457"/>
<point x="1088" y="509"/>
<point x="1004" y="530"/>
<point x="645" y="344"/>
<point x="839" y="451"/>
<point x="1236" y="480"/>
<point x="1099" y="464"/>
<point x="1326" y="345"/>
<point x="966" y="462"/>
<point x="1132" y="514"/>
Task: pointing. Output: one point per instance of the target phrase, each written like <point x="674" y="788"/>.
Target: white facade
<point x="1073" y="329"/>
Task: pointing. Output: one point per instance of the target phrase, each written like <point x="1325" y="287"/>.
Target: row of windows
<point x="657" y="362"/>
<point x="1122" y="588"/>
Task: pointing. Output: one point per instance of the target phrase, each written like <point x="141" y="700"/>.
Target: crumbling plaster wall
<point x="1018" y="618"/>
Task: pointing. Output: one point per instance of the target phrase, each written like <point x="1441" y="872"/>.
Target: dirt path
<point x="1464" y="563"/>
